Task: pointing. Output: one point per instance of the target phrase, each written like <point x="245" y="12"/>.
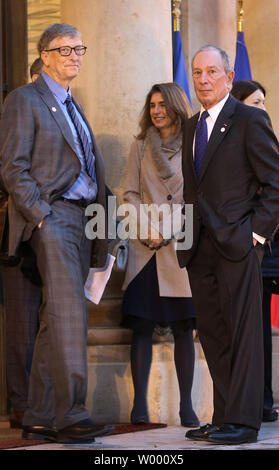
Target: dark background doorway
<point x="13" y="73"/>
<point x="14" y="47"/>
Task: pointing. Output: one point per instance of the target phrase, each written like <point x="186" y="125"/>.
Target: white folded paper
<point x="97" y="280"/>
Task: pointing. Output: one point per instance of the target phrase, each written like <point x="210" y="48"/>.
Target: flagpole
<point x="179" y="68"/>
<point x="242" y="64"/>
<point x="240" y="16"/>
<point x="176" y="14"/>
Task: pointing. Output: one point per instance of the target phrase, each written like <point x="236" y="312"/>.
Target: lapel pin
<point x="53" y="109"/>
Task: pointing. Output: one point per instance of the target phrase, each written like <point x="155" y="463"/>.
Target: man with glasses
<point x="53" y="169"/>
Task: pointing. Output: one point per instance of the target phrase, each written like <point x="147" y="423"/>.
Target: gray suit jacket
<point x="39" y="161"/>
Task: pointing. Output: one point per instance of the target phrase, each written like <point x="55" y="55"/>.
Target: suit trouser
<point x="58" y="380"/>
<point x="228" y="301"/>
<point x="267" y="335"/>
<point x="22" y="300"/>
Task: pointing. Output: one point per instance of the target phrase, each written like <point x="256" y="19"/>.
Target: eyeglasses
<point x="67" y="50"/>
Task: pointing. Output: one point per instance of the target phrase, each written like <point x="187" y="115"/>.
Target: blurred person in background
<point x="252" y="93"/>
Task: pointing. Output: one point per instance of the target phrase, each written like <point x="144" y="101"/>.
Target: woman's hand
<point x="155" y="240"/>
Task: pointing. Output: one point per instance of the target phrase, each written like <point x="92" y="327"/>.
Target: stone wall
<point x="129" y="49"/>
<point x="261" y="30"/>
<point x="41" y="14"/>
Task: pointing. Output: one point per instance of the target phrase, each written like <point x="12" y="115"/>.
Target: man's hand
<point x="41" y="223"/>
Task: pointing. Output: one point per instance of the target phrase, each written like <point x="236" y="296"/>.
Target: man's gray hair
<point x="224" y="55"/>
<point x="54" y="31"/>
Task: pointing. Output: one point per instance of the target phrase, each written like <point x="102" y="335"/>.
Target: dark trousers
<point x="268" y="394"/>
<point x="228" y="301"/>
<point x="22" y="300"/>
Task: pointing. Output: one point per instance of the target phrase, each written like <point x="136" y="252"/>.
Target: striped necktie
<point x="85" y="144"/>
<point x="200" y="142"/>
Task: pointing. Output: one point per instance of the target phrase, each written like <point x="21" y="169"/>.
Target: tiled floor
<point x="165" y="439"/>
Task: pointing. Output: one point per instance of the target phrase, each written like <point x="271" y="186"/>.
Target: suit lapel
<point x="191" y="132"/>
<point x="99" y="165"/>
<point x="219" y="132"/>
<point x="62" y="123"/>
<point x="55" y="111"/>
<point x="81" y="112"/>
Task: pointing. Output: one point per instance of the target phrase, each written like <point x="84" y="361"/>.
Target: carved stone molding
<point x="41" y="14"/>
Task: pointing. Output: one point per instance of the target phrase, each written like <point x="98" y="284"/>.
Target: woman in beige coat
<point x="157" y="290"/>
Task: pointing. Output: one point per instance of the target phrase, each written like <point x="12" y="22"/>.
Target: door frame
<point x="13" y="73"/>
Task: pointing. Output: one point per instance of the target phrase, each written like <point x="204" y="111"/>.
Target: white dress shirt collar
<point x="210" y="120"/>
<point x="213" y="114"/>
<point x="216" y="109"/>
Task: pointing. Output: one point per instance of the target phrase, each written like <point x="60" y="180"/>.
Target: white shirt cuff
<point x="259" y="238"/>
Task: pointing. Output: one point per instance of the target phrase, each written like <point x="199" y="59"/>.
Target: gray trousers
<point x="58" y="380"/>
<point x="22" y="300"/>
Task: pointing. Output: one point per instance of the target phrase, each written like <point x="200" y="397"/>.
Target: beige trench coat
<point x="149" y="180"/>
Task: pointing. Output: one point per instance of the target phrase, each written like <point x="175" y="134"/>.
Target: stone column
<point x="129" y="49"/>
<point x="207" y="22"/>
<point x="261" y="36"/>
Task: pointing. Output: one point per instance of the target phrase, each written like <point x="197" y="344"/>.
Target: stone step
<point x="114" y="335"/>
<point x="108" y="336"/>
<point x="110" y="387"/>
<point x="107" y="312"/>
<point x="113" y="287"/>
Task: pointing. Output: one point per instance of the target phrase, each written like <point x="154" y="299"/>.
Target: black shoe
<point x="269" y="414"/>
<point x="144" y="419"/>
<point x="82" y="432"/>
<point x="202" y="433"/>
<point x="140" y="421"/>
<point x="139" y="418"/>
<point x="233" y="434"/>
<point x="16" y="418"/>
<point x="39" y="433"/>
<point x="190" y="424"/>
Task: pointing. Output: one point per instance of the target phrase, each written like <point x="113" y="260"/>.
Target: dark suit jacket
<point x="242" y="154"/>
<point x="39" y="161"/>
<point x="3" y="219"/>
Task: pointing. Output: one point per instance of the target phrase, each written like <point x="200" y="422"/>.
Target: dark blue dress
<point x="143" y="308"/>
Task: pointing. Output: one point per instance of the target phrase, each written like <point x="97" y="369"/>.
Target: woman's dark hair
<point x="176" y="102"/>
<point x="243" y="88"/>
<point x="36" y="67"/>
